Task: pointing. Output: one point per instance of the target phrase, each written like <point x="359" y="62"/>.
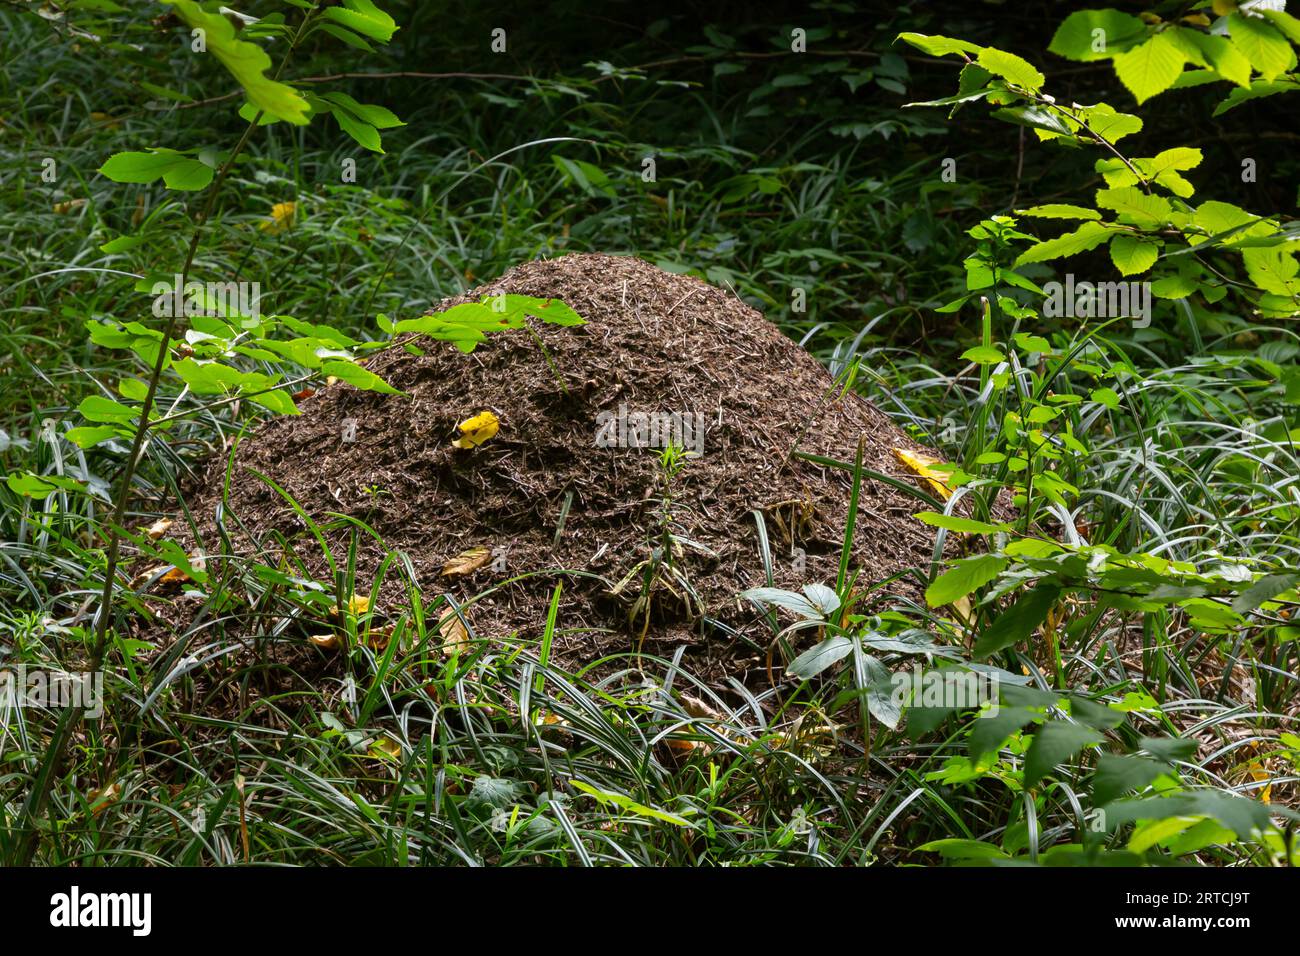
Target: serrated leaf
<point x="362" y="16"/>
<point x="1059" y="211"/>
<point x="1133" y="205"/>
<point x="1077" y="38"/>
<point x="247" y="62"/>
<point x="1151" y="68"/>
<point x="937" y="45"/>
<point x="1011" y="68"/>
<point x="1088" y="236"/>
<point x="1261" y="44"/>
<point x="1132" y="255"/>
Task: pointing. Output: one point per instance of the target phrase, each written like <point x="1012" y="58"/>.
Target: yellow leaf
<point x="386" y="747"/>
<point x="105" y="120"/>
<point x="468" y="562"/>
<point x="1224" y="7"/>
<point x="282" y="216"/>
<point x="357" y="604"/>
<point x="455" y="639"/>
<point x="923" y="465"/>
<point x="158" y="528"/>
<point x="101" y="799"/>
<point x="67" y="206"/>
<point x="326" y="642"/>
<point x="475" y="431"/>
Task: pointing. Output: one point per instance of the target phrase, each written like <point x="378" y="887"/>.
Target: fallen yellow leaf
<point x="67" y="206"/>
<point x="158" y="528"/>
<point x="326" y="642"/>
<point x="475" y="431"/>
<point x="468" y="561"/>
<point x="455" y="639"/>
<point x="923" y="465"/>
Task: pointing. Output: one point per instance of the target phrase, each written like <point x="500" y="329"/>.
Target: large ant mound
<point x="574" y="487"/>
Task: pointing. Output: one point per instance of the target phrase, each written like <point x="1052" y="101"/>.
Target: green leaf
<point x="1132" y="255"/>
<point x="627" y="803"/>
<point x="89" y="436"/>
<point x="1059" y="211"/>
<point x="816" y="659"/>
<point x="1055" y="743"/>
<point x="937" y="45"/>
<point x="96" y="408"/>
<point x="358" y="377"/>
<point x="1131" y="204"/>
<point x="246" y="62"/>
<point x="984" y="355"/>
<point x="1077" y="37"/>
<point x="365" y="18"/>
<point x="1259" y="41"/>
<point x="1265" y="589"/>
<point x="1117" y="775"/>
<point x="992" y="728"/>
<point x="964" y="577"/>
<point x="176" y="170"/>
<point x="1223" y="56"/>
<point x="1020" y="620"/>
<point x="1011" y="68"/>
<point x="1238" y="814"/>
<point x="1151" y="68"/>
<point x="958" y="523"/>
<point x="1088" y="236"/>
<point x="1108" y="123"/>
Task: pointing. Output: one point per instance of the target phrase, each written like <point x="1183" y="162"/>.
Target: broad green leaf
<point x="176" y="170"/>
<point x="362" y="16"/>
<point x="958" y="523"/>
<point x="358" y="377"/>
<point x="964" y="577"/>
<point x="1260" y="42"/>
<point x="1223" y="56"/>
<point x="816" y="659"/>
<point x="1108" y="123"/>
<point x="1133" y="205"/>
<point x="247" y="63"/>
<point x="1265" y="589"/>
<point x="1088" y="35"/>
<point x="1019" y="621"/>
<point x="1054" y="743"/>
<point x="627" y="803"/>
<point x="89" y="436"/>
<point x="1151" y="68"/>
<point x="1011" y="68"/>
<point x="97" y="408"/>
<point x="1132" y="255"/>
<point x="984" y="355"/>
<point x="991" y="729"/>
<point x="1116" y="775"/>
<point x="937" y="45"/>
<point x="1088" y="236"/>
<point x="1059" y="211"/>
